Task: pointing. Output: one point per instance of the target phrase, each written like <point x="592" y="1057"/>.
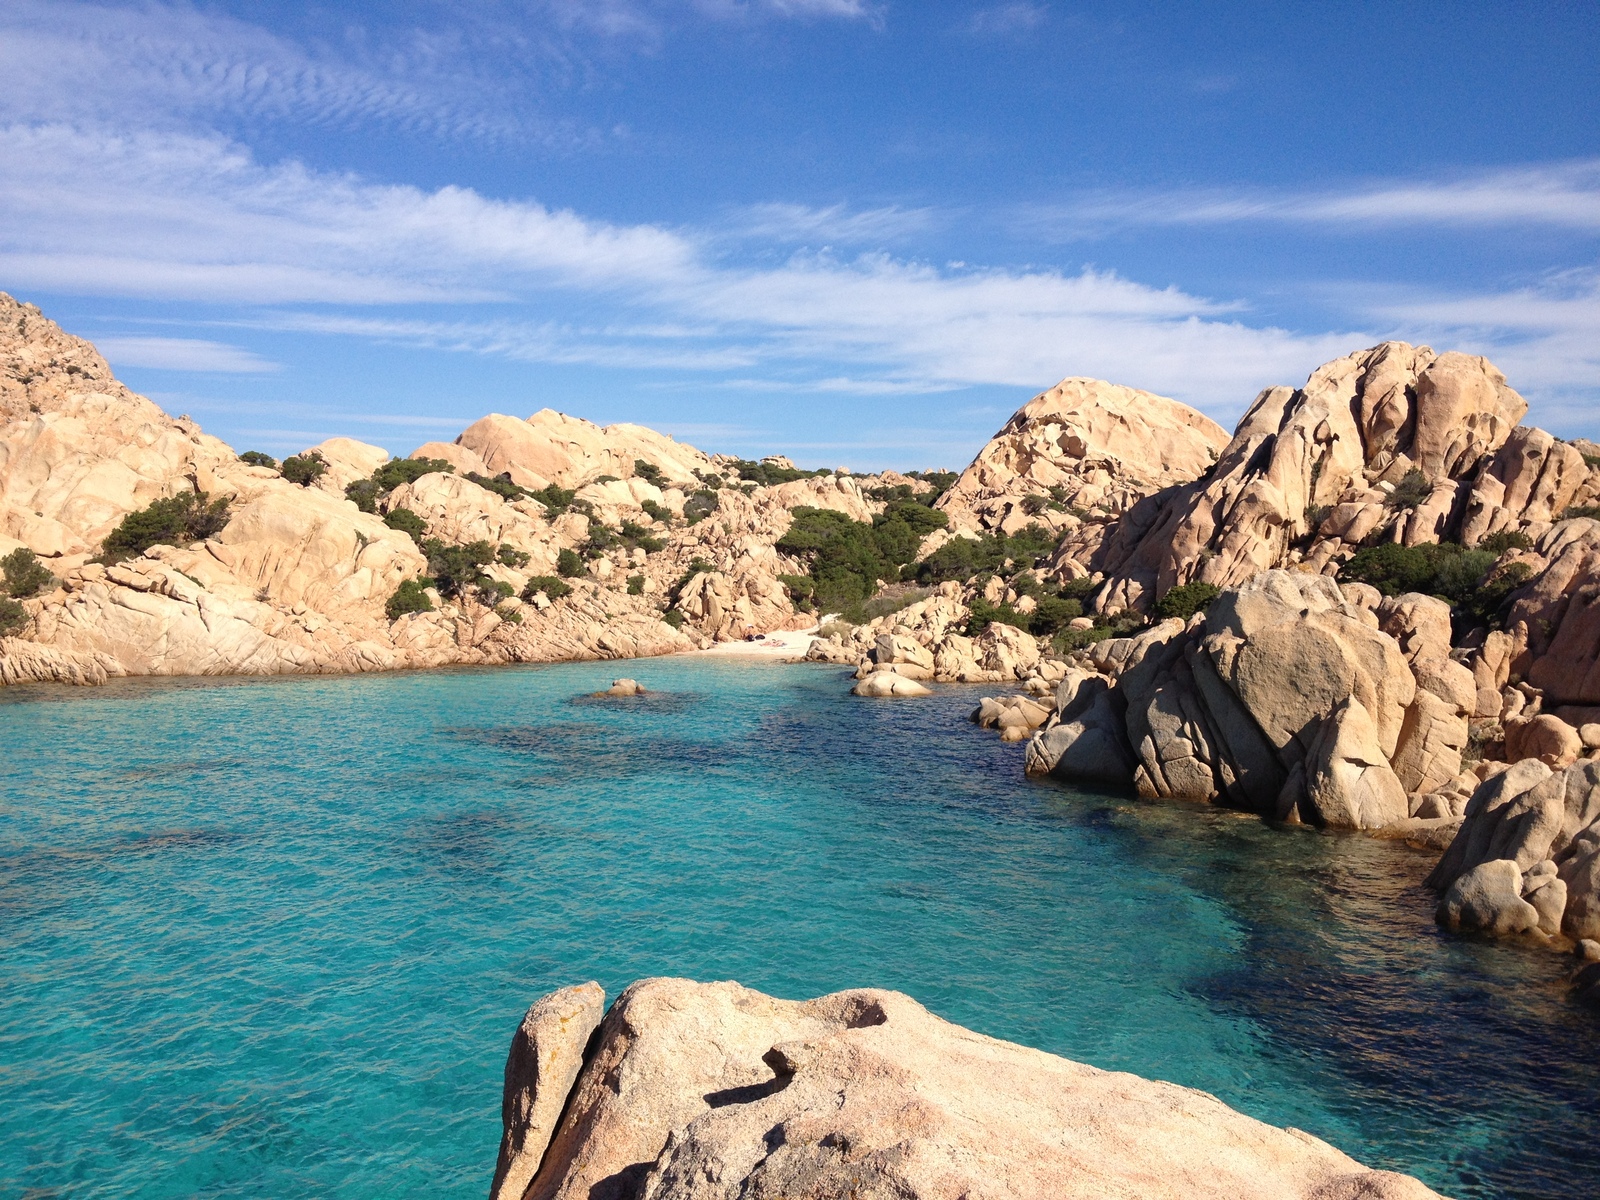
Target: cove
<point x="272" y="937"/>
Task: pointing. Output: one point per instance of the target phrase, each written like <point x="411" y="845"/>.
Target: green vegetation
<point x="25" y="575"/>
<point x="172" y="521"/>
<point x="552" y="587"/>
<point x="368" y="492"/>
<point x="636" y="536"/>
<point x="458" y="570"/>
<point x="656" y="512"/>
<point x="1507" y="539"/>
<point x="650" y="473"/>
<point x="510" y="556"/>
<point x="257" y="459"/>
<point x="568" y="564"/>
<point x="1186" y="599"/>
<point x="1465" y="578"/>
<point x="555" y="499"/>
<point x="500" y="485"/>
<point x="1582" y="510"/>
<point x="962" y="558"/>
<point x="407" y="521"/>
<point x="635" y="585"/>
<point x="767" y="475"/>
<point x="673" y="617"/>
<point x="12" y="617"/>
<point x="409" y="597"/>
<point x="700" y="505"/>
<point x="1411" y="491"/>
<point x="305" y="469"/>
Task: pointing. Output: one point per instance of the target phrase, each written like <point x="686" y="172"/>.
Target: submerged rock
<point x="711" y="1091"/>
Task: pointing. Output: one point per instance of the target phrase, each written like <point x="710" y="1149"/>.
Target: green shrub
<point x="510" y="556"/>
<point x="409" y="597"/>
<point x="408" y="470"/>
<point x="364" y="494"/>
<point x="172" y="521"/>
<point x="555" y="499"/>
<point x="1446" y="570"/>
<point x="767" y="475"/>
<point x="961" y="558"/>
<point x="635" y="585"/>
<point x="552" y="587"/>
<point x="942" y="482"/>
<point x="1507" y="539"/>
<point x="257" y="459"/>
<point x="657" y="512"/>
<point x="710" y="479"/>
<point x="1053" y="614"/>
<point x="650" y="473"/>
<point x="1582" y="510"/>
<point x="1186" y="600"/>
<point x="1069" y="640"/>
<point x="700" y="505"/>
<point x="673" y="617"/>
<point x="500" y="485"/>
<point x="1316" y="514"/>
<point x="406" y="521"/>
<point x="12" y="617"/>
<point x="305" y="469"/>
<point x="1411" y="491"/>
<point x="638" y="537"/>
<point x="985" y="614"/>
<point x="1078" y="589"/>
<point x="25" y="575"/>
<point x="509" y="615"/>
<point x="698" y="566"/>
<point x="568" y="564"/>
<point x="496" y="590"/>
<point x="457" y="569"/>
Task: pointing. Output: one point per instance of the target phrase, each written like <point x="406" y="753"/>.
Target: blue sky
<point x="857" y="231"/>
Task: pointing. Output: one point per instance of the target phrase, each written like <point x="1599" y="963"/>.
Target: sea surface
<point x="271" y="938"/>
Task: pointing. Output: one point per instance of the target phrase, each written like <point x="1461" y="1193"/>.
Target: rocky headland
<point x="1374" y="607"/>
<point x="696" y="1091"/>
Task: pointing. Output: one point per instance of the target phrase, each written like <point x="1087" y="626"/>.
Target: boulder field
<point x="702" y="1091"/>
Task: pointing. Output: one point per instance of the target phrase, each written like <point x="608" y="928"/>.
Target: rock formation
<point x="701" y="1091"/>
<point x="1084" y="450"/>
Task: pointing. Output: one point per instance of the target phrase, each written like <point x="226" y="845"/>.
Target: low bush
<point x="635" y="585"/>
<point x="650" y="473"/>
<point x="637" y="537"/>
<point x="1411" y="491"/>
<point x="409" y="597"/>
<point x="304" y="469"/>
<point x="25" y="575"/>
<point x="568" y="564"/>
<point x="768" y="475"/>
<point x="961" y="558"/>
<point x="1507" y="539"/>
<point x="366" y="493"/>
<point x="12" y="617"/>
<point x="698" y="566"/>
<point x="257" y="459"/>
<point x="172" y="521"/>
<point x="656" y="512"/>
<point x="1186" y="599"/>
<point x="1582" y="510"/>
<point x="500" y="485"/>
<point x="510" y="556"/>
<point x="1464" y="578"/>
<point x="700" y="505"/>
<point x="674" y="618"/>
<point x="458" y="569"/>
<point x="556" y="500"/>
<point x="406" y="521"/>
<point x="553" y="588"/>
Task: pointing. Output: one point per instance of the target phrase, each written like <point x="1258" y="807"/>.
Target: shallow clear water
<point x="271" y="938"/>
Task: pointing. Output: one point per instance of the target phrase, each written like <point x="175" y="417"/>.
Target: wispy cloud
<point x="182" y="354"/>
<point x="1564" y="195"/>
<point x="835" y="224"/>
<point x="1007" y="19"/>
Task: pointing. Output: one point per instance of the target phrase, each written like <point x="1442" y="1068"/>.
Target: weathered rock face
<point x="1545" y="827"/>
<point x="1554" y="625"/>
<point x="1084" y="444"/>
<point x="1285" y="699"/>
<point x="709" y="1091"/>
<point x="553" y="448"/>
<point x="1332" y="450"/>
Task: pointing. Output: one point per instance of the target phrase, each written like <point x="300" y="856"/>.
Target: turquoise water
<point x="271" y="938"/>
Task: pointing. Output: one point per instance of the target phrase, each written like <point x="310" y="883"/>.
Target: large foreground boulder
<point x="695" y="1091"/>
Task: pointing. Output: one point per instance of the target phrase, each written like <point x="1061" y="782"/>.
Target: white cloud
<point x="179" y="217"/>
<point x="1007" y="18"/>
<point x="836" y="224"/>
<point x="1563" y="195"/>
<point x="182" y="354"/>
